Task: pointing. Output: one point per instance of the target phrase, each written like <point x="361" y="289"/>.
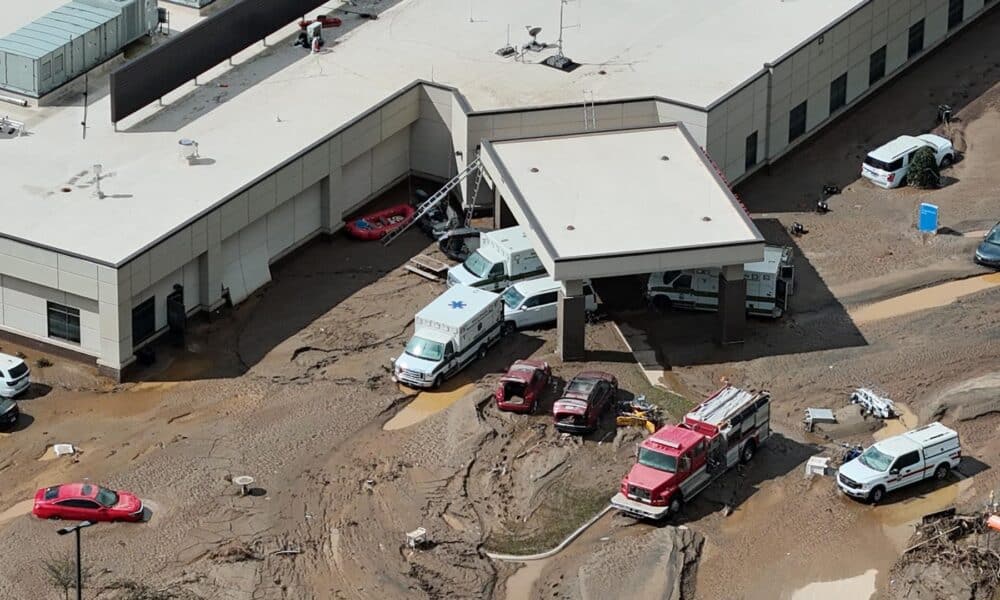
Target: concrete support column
<point x="571" y="319"/>
<point x="502" y="217"/>
<point x="210" y="264"/>
<point x="115" y="307"/>
<point x="732" y="305"/>
<point x="332" y="199"/>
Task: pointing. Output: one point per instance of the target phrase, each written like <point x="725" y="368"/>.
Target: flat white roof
<point x="621" y="193"/>
<point x="280" y="100"/>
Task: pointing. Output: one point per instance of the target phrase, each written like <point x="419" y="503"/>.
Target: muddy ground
<point x="292" y="388"/>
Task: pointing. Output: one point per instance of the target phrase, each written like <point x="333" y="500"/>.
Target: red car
<point x="522" y="386"/>
<point x="586" y="397"/>
<point x="86" y="502"/>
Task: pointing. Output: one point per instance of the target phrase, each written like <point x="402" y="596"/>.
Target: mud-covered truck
<point x="457" y="327"/>
<point x="929" y="451"/>
<point x="678" y="461"/>
<point x="504" y="257"/>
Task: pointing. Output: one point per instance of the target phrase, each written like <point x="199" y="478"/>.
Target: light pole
<point x="79" y="568"/>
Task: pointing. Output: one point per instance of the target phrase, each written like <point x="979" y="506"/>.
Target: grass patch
<point x="673" y="404"/>
<point x="566" y="509"/>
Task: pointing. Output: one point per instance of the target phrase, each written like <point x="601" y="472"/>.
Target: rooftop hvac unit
<point x="69" y="41"/>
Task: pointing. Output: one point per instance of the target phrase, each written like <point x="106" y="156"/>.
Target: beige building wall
<point x="806" y="75"/>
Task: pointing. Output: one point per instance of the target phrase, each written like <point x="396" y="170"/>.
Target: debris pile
<point x="950" y="556"/>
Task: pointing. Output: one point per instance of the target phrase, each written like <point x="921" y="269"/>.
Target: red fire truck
<point x="678" y="461"/>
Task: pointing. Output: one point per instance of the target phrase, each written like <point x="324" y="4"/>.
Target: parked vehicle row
<point x="15" y="379"/>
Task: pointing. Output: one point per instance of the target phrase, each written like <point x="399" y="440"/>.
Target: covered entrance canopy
<point x="623" y="202"/>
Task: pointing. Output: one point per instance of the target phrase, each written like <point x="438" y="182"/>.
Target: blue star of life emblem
<point x="457" y="304"/>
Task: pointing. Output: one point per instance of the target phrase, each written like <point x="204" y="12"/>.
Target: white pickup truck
<point x="929" y="451"/>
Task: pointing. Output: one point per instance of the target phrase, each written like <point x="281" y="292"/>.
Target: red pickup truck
<point x="679" y="461"/>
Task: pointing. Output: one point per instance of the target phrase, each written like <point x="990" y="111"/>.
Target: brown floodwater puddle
<point x="932" y="297"/>
<point x="901" y="424"/>
<point x="424" y="405"/>
<point x="859" y="587"/>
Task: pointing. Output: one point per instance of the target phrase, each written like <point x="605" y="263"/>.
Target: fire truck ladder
<point x="433" y="201"/>
<point x="722" y="406"/>
<point x="475" y="193"/>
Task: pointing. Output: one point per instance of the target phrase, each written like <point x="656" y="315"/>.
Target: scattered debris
<point x="416" y="538"/>
<point x="43" y="362"/>
<point x="818" y="415"/>
<point x="874" y="404"/>
<point x="64" y="449"/>
<point x="244" y="481"/>
<point x="950" y="556"/>
<point x="817" y="465"/>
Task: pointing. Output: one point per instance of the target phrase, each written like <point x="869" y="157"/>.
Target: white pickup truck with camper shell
<point x="504" y="257"/>
<point x="457" y="327"/>
<point x="770" y="282"/>
<point x="887" y="165"/>
<point x="931" y="451"/>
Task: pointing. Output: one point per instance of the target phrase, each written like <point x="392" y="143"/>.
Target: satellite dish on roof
<point x="534" y="45"/>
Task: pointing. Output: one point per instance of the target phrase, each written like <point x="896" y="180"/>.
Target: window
<point x="796" y="122"/>
<point x="497" y="270"/>
<point x="78" y="503"/>
<point x="698" y="449"/>
<point x="838" y="93"/>
<point x="916" y="39"/>
<point x="682" y="283"/>
<point x="956" y="12"/>
<point x="751" y="151"/>
<point x="143" y="321"/>
<point x="876" y="66"/>
<point x="64" y="322"/>
<point x="549" y="298"/>
<point x="906" y="460"/>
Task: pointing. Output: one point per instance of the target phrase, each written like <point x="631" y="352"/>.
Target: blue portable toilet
<point x="928" y="221"/>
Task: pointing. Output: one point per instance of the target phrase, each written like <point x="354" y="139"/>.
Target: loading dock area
<point x="623" y="202"/>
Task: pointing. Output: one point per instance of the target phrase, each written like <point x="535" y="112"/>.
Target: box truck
<point x="457" y="327"/>
<point x="504" y="257"/>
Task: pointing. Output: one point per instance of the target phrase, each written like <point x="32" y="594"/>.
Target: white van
<point x="457" y="327"/>
<point x="504" y="257"/>
<point x="15" y="376"/>
<point x="929" y="451"/>
<point x="533" y="303"/>
<point x="769" y="284"/>
<point x="887" y="165"/>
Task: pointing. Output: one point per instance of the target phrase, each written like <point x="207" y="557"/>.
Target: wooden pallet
<point x="427" y="267"/>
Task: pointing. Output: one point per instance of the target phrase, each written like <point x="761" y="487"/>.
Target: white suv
<point x="886" y="166"/>
<point x="534" y="302"/>
<point x="15" y="376"/>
